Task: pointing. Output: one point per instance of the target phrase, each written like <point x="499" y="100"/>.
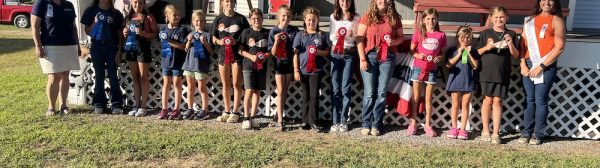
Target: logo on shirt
<point x="430" y="44"/>
<point x="317" y="42"/>
<point x="260" y="43"/>
<point x="231" y="29"/>
<point x="197" y="36"/>
<point x="163" y="35"/>
<point x="132" y="27"/>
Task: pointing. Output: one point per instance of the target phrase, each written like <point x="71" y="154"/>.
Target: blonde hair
<point x="310" y="11"/>
<point x="391" y="14"/>
<point x="170" y="9"/>
<point x="282" y="7"/>
<point x="423" y="27"/>
<point x="464" y="30"/>
<point x="198" y="14"/>
<point x="497" y="9"/>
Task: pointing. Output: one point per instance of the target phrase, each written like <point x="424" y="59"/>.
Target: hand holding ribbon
<point x="382" y="52"/>
<point x="281" y="53"/>
<point x="260" y="59"/>
<point x="339" y="46"/>
<point x="198" y="47"/>
<point x="311" y="64"/>
<point x="228" y="43"/>
<point x="167" y="52"/>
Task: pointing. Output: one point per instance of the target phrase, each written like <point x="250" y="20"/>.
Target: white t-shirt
<point x="349" y="41"/>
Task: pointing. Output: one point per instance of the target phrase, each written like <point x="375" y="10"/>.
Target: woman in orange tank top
<point x="538" y="65"/>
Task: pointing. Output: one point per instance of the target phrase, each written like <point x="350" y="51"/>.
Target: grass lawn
<point x="29" y="139"/>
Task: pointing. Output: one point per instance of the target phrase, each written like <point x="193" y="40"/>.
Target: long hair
<point x="132" y="12"/>
<point x="313" y="11"/>
<point x="391" y="14"/>
<point x="537" y="9"/>
<point x="338" y="14"/>
<point x="283" y="7"/>
<point x="423" y="27"/>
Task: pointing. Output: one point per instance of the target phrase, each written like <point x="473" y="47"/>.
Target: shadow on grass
<point x="9" y="46"/>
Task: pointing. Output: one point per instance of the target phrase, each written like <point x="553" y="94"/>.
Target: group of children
<point x="243" y="49"/>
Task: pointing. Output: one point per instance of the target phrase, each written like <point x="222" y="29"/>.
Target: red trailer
<point x="274" y="5"/>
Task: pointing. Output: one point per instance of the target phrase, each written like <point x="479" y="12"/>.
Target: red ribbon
<point x="281" y="53"/>
<point x="228" y="50"/>
<point x="382" y="54"/>
<point x="311" y="64"/>
<point x="339" y="46"/>
<point x="428" y="59"/>
<point x="260" y="58"/>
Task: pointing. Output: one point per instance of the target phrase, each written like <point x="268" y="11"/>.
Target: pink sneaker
<point x="430" y="132"/>
<point x="411" y="130"/>
<point x="452" y="134"/>
<point x="463" y="135"/>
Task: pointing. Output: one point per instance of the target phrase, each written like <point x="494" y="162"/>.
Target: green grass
<point x="28" y="139"/>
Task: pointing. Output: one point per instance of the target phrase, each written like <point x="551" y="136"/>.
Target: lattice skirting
<point x="574" y="99"/>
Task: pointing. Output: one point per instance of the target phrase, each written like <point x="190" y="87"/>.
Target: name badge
<point x="543" y="31"/>
<point x="49" y="11"/>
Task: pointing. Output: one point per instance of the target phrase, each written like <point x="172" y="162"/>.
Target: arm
<point x="153" y="28"/>
<point x="177" y="45"/>
<point x="474" y="63"/>
<point x="35" y="31"/>
<point x="188" y="44"/>
<point x="453" y="60"/>
<point x="207" y="45"/>
<point x="275" y="43"/>
<point x="361" y="39"/>
<point x="399" y="38"/>
<point x="296" y="65"/>
<point x="523" y="64"/>
<point x="559" y="40"/>
<point x="489" y="46"/>
<point x="511" y="46"/>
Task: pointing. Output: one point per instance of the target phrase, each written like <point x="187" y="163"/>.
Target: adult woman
<point x="55" y="38"/>
<point x="380" y="29"/>
<point x="544" y="40"/>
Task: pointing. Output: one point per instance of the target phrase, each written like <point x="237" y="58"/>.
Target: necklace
<point x="501" y="40"/>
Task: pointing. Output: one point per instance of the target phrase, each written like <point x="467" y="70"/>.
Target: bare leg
<point x="135" y="74"/>
<point x="485" y="115"/>
<point x="415" y="102"/>
<point x="145" y="84"/>
<point x="247" y="102"/>
<point x="255" y="99"/>
<point x="464" y="118"/>
<point x="177" y="82"/>
<point x="454" y="110"/>
<point x="497" y="114"/>
<point x="63" y="88"/>
<point x="203" y="94"/>
<point x="165" y="91"/>
<point x="191" y="92"/>
<point x="428" y="108"/>
<point x="52" y="87"/>
<point x="224" y="73"/>
<point x="237" y="86"/>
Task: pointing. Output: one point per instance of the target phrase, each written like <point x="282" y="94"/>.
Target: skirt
<point x="59" y="59"/>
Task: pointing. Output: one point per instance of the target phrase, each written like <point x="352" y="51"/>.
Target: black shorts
<point x="236" y="59"/>
<point x="283" y="67"/>
<point x="255" y="79"/>
<point x="138" y="56"/>
<point x="494" y="89"/>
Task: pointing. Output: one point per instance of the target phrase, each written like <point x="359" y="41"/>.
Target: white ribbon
<point x="534" y="50"/>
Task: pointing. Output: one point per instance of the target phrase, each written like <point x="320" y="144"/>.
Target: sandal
<point x="65" y="110"/>
<point x="50" y="112"/>
<point x="496" y="139"/>
<point x="430" y="132"/>
<point x="486" y="137"/>
<point x="412" y="129"/>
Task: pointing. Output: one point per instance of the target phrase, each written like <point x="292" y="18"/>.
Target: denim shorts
<point x="429" y="78"/>
<point x="172" y="72"/>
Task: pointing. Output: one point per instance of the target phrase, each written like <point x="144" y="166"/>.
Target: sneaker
<point x="316" y="128"/>
<point x="50" y="112"/>
<point x="201" y="115"/>
<point x="246" y="124"/>
<point x="133" y="111"/>
<point x="524" y="139"/>
<point x="463" y="135"/>
<point x="343" y="127"/>
<point x="65" y="110"/>
<point x="279" y="127"/>
<point x="305" y="126"/>
<point x="411" y="130"/>
<point x="98" y="110"/>
<point x="117" y="111"/>
<point x="375" y="132"/>
<point x="163" y="114"/>
<point x="223" y="117"/>
<point x="496" y="139"/>
<point x="141" y="112"/>
<point x="364" y="131"/>
<point x="334" y="128"/>
<point x="188" y="114"/>
<point x="233" y="118"/>
<point x="430" y="132"/>
<point x="254" y="123"/>
<point x="452" y="134"/>
<point x="486" y="137"/>
<point x="535" y="141"/>
<point x="174" y="115"/>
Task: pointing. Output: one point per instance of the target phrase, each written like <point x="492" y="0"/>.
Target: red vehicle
<point x="16" y="12"/>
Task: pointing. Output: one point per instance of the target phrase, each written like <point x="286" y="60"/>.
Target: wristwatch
<point x="542" y="66"/>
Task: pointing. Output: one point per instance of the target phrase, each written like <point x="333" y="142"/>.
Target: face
<point x="138" y="5"/>
<point x="345" y="4"/>
<point x="465" y="39"/>
<point x="430" y="21"/>
<point x="547" y="5"/>
<point x="174" y="17"/>
<point x="499" y="19"/>
<point x="104" y="2"/>
<point x="311" y="21"/>
<point x="227" y="5"/>
<point x="283" y="16"/>
<point x="382" y="4"/>
<point x="256" y="21"/>
<point x="198" y="23"/>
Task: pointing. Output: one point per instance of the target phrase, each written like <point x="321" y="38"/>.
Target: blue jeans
<point x="104" y="60"/>
<point x="375" y="80"/>
<point x="341" y="81"/>
<point x="536" y="108"/>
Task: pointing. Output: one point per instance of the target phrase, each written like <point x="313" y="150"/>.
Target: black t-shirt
<point x="253" y="42"/>
<point x="113" y="23"/>
<point x="224" y="26"/>
<point x="177" y="34"/>
<point x="495" y="66"/>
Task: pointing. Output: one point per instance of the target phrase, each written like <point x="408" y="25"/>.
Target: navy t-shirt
<point x="302" y="41"/>
<point x="177" y="34"/>
<point x="224" y="26"/>
<point x="194" y="64"/>
<point x="461" y="76"/>
<point x="112" y="24"/>
<point x="57" y="22"/>
<point x="291" y="31"/>
<point x="254" y="42"/>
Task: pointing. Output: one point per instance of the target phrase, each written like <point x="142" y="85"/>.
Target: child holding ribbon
<point x="280" y="43"/>
<point x="103" y="24"/>
<point x="426" y="47"/>
<point x="226" y="30"/>
<point x="196" y="66"/>
<point x="310" y="49"/>
<point x="461" y="80"/>
<point x="256" y="53"/>
<point x="496" y="46"/>
<point x="173" y="39"/>
<point x="343" y="27"/>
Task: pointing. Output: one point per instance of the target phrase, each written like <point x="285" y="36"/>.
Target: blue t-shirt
<point x="461" y="76"/>
<point x="302" y="41"/>
<point x="57" y="22"/>
<point x="291" y="32"/>
<point x="194" y="64"/>
<point x="177" y="34"/>
<point x="112" y="24"/>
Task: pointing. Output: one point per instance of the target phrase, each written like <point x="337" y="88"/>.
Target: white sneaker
<point x="343" y="127"/>
<point x="141" y="113"/>
<point x="334" y="128"/>
<point x="133" y="111"/>
<point x="246" y="124"/>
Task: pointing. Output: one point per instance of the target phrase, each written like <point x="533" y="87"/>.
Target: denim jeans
<point x="375" y="79"/>
<point x="104" y="60"/>
<point x="341" y="82"/>
<point x="536" y="108"/>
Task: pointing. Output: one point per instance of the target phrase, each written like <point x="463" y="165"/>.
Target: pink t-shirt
<point x="431" y="45"/>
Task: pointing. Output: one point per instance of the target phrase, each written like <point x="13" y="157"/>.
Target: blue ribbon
<point x="131" y="43"/>
<point x="97" y="31"/>
<point x="198" y="47"/>
<point x="167" y="52"/>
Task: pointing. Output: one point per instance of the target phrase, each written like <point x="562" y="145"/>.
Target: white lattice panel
<point x="574" y="100"/>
